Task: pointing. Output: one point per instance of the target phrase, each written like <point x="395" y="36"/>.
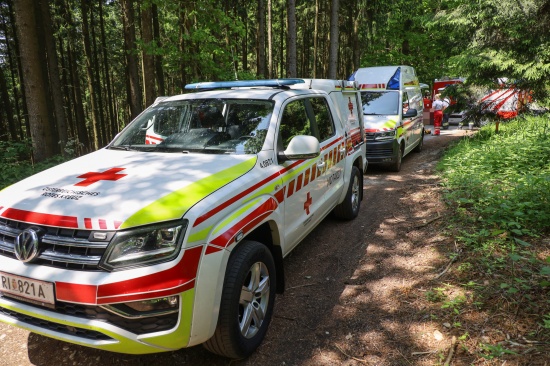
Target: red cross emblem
<point x="92" y="177"/>
<point x="307" y="203"/>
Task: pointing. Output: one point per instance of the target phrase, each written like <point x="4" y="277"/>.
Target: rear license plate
<point x="26" y="288"/>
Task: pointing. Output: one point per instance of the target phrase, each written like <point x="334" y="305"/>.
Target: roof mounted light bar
<point x="274" y="83"/>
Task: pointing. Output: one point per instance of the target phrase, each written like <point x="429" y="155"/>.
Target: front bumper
<point x="92" y="326"/>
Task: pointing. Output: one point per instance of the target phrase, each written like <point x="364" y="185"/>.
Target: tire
<point x="247" y="302"/>
<point x="420" y="145"/>
<point x="396" y="166"/>
<point x="349" y="208"/>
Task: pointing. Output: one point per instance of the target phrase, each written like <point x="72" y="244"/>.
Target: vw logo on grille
<point x="26" y="245"/>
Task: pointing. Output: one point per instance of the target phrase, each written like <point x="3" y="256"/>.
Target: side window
<point x="295" y="121"/>
<point x="412" y="99"/>
<point x="323" y="118"/>
<point x="406" y="105"/>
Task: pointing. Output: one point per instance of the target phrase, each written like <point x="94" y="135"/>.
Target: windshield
<point x="219" y="126"/>
<point x="386" y="103"/>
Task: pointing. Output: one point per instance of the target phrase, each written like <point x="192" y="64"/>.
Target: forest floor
<point x="357" y="293"/>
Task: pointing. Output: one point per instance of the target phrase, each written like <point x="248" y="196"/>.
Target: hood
<point x="378" y="123"/>
<point x="111" y="189"/>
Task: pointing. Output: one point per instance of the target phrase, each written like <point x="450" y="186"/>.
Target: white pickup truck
<point x="174" y="234"/>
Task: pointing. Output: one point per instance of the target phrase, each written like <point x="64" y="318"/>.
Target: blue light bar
<point x="244" y="83"/>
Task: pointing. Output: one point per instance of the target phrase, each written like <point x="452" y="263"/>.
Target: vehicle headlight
<point x="385" y="135"/>
<point x="144" y="246"/>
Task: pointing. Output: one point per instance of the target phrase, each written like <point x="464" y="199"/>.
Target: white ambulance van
<point x="393" y="110"/>
<point x="174" y="234"/>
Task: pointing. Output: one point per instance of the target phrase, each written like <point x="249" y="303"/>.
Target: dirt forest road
<point x="354" y="289"/>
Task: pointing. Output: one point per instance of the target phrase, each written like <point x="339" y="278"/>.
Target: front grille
<point x="379" y="153"/>
<point x="59" y="247"/>
<point x="51" y="326"/>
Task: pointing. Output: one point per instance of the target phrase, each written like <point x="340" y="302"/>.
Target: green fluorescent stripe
<point x="199" y="236"/>
<point x="175" y="204"/>
<point x="225" y="222"/>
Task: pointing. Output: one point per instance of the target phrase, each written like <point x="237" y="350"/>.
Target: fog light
<point x="145" y="308"/>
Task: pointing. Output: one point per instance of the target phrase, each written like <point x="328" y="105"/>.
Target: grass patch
<point x="498" y="187"/>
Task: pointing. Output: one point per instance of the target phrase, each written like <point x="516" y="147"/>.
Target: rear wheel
<point x="247" y="301"/>
<point x="349" y="208"/>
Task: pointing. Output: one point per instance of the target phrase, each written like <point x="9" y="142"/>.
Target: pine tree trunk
<point x="148" y="64"/>
<point x="291" y="46"/>
<point x="76" y="95"/>
<point x="35" y="84"/>
<point x="55" y="82"/>
<point x="334" y="40"/>
<point x="6" y="106"/>
<point x="134" y="92"/>
<point x="261" y="40"/>
<point x="90" y="74"/>
<point x="158" y="57"/>
<point x="269" y="39"/>
<point x="113" y="126"/>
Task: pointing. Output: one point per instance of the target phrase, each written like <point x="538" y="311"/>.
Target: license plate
<point x="26" y="288"/>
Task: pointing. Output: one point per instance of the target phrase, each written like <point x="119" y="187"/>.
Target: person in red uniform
<point x="438" y="107"/>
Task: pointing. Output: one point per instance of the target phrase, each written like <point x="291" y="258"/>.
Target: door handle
<point x="321" y="165"/>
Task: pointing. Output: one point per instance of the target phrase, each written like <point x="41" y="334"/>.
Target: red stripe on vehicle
<point x="41" y="218"/>
<point x="88" y="223"/>
<point x="74" y="292"/>
<point x="152" y="294"/>
<point x="247" y="191"/>
<point x="212" y="249"/>
<point x="102" y="224"/>
<point x="306" y="176"/>
<point x="171" y="281"/>
<point x="280" y="195"/>
<point x="290" y="188"/>
<point x="299" y="182"/>
<point x="247" y="223"/>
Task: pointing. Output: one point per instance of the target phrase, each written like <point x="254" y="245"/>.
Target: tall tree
<point x="158" y="56"/>
<point x="292" y="37"/>
<point x="35" y="82"/>
<point x="334" y="40"/>
<point x="269" y="39"/>
<point x="132" y="64"/>
<point x="90" y="72"/>
<point x="148" y="64"/>
<point x="53" y="72"/>
<point x="261" y="40"/>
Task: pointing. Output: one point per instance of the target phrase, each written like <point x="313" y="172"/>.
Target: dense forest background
<point x="74" y="72"/>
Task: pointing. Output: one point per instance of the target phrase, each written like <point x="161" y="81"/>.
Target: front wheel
<point x="420" y="145"/>
<point x="247" y="301"/>
<point x="396" y="166"/>
<point x="349" y="208"/>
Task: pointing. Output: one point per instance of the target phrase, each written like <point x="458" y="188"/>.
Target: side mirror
<point x="412" y="112"/>
<point x="300" y="147"/>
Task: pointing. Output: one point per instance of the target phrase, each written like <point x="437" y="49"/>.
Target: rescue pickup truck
<point x="174" y="234"/>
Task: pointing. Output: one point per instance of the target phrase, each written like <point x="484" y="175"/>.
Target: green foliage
<point x="17" y="162"/>
<point x="490" y="352"/>
<point x="502" y="38"/>
<point x="503" y="180"/>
